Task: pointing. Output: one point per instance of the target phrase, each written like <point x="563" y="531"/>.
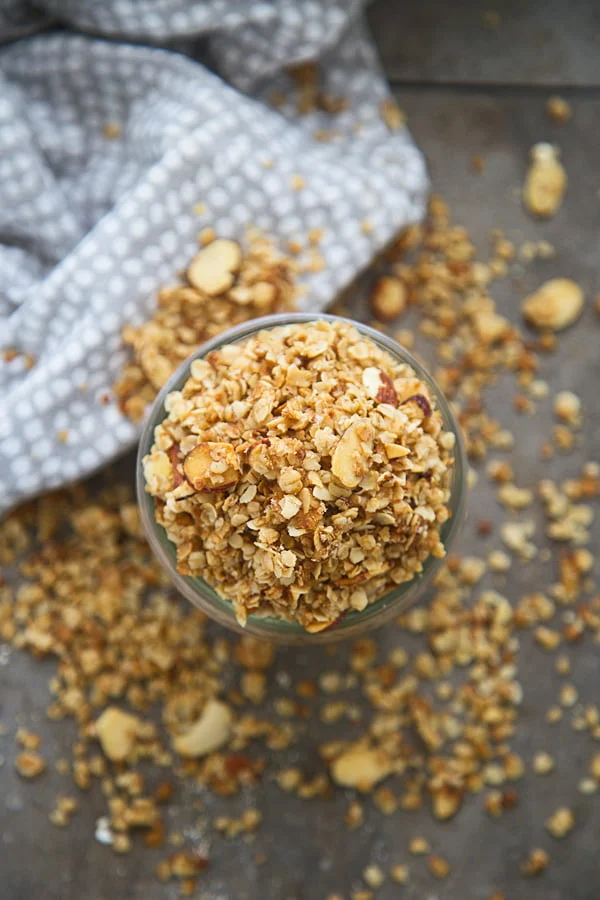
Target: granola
<point x="224" y="286"/>
<point x="303" y="473"/>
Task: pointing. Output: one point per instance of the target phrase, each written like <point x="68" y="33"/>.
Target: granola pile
<point x="302" y="473"/>
<point x="224" y="286"/>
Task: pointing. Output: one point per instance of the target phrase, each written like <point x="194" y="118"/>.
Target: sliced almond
<point x="361" y="768"/>
<point x="379" y="386"/>
<point x="214" y="268"/>
<point x="388" y="298"/>
<point x="555" y="305"/>
<point x="349" y="462"/>
<point x="546" y="182"/>
<point x="396" y="451"/>
<point x="117" y="732"/>
<point x="316" y="627"/>
<point x="211" y="731"/>
<point x="212" y="466"/>
<point x="371" y="381"/>
<point x="158" y="468"/>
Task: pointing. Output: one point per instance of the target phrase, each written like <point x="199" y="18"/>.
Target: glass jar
<point x="354" y="623"/>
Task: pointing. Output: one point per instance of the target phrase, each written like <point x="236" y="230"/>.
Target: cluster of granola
<point x="303" y="473"/>
<point x="223" y="287"/>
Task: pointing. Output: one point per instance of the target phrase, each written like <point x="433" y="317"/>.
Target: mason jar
<point x="354" y="623"/>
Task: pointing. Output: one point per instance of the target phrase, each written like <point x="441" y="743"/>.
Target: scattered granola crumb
<point x="374" y="876"/>
<point x="554" y="715"/>
<point x="543" y="763"/>
<point x="558" y="110"/>
<point x="438" y="866"/>
<point x="112" y="130"/>
<point x="536" y="862"/>
<point x="568" y="695"/>
<point x="419" y="846"/>
<point x="355" y="816"/>
<point x="587" y="786"/>
<point x="30" y="764"/>
<point x="29" y="740"/>
<point x="567" y="406"/>
<point x="391" y="114"/>
<point x="561" y="822"/>
<point x="399" y="873"/>
<point x="498" y="561"/>
<point x="388" y="298"/>
<point x="563" y="664"/>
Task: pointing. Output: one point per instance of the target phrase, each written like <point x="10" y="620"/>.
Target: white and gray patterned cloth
<point x="90" y="227"/>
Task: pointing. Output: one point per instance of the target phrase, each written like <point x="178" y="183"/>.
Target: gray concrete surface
<point x="310" y="853"/>
<point x="510" y="42"/>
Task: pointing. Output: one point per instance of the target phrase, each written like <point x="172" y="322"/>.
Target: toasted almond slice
<point x="316" y="627"/>
<point x="546" y="182"/>
<point x="212" y="466"/>
<point x="555" y="305"/>
<point x="214" y="268"/>
<point x="396" y="451"/>
<point x="379" y="386"/>
<point x="361" y="768"/>
<point x="208" y="733"/>
<point x="158" y="468"/>
<point x="349" y="462"/>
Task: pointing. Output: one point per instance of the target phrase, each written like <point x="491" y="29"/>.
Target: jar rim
<point x="354" y="622"/>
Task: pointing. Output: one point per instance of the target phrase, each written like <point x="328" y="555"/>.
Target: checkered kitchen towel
<point x="90" y="226"/>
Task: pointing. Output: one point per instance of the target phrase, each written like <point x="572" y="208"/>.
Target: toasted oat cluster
<point x="302" y="473"/>
<point x="224" y="285"/>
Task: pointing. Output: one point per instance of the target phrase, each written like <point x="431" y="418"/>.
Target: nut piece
<point x="213" y="270"/>
<point x="209" y="732"/>
<point x="212" y="466"/>
<point x="388" y="298"/>
<point x="379" y="386"/>
<point x="29" y="764"/>
<point x="546" y="182"/>
<point x="361" y="769"/>
<point x="350" y="457"/>
<point x="117" y="730"/>
<point x="555" y="305"/>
